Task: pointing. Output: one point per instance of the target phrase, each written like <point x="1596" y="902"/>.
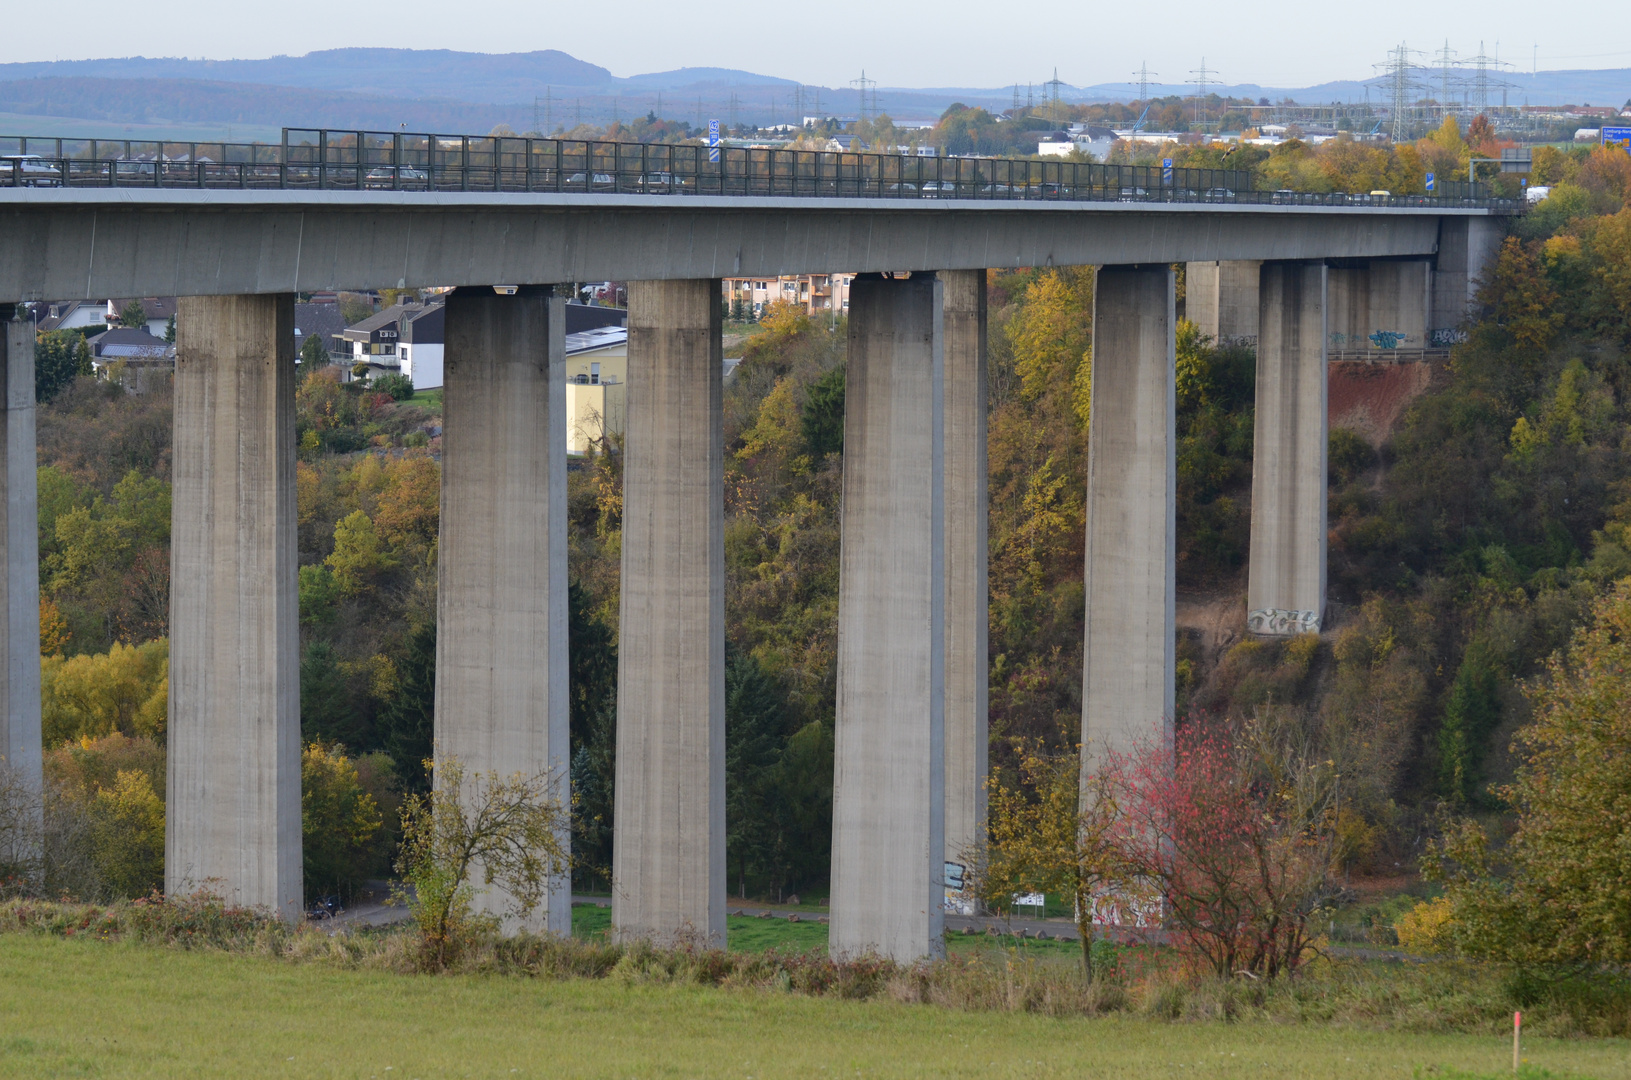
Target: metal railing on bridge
<point x="329" y="160"/>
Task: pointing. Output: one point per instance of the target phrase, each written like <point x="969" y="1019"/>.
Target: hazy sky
<point x="949" y="43"/>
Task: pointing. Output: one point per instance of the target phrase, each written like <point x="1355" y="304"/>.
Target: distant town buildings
<point x="748" y="297"/>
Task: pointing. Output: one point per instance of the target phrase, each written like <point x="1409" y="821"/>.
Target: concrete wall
<point x="668" y="850"/>
<point x="1467" y="247"/>
<point x="93" y="243"/>
<point x="1221" y="299"/>
<point x="1128" y="666"/>
<point x="888" y="893"/>
<point x="1401" y="302"/>
<point x="1285" y="591"/>
<point x="967" y="588"/>
<point x="233" y="819"/>
<point x="20" y="694"/>
<point x="501" y="643"/>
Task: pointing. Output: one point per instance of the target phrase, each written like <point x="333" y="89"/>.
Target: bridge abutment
<point x="233" y="819"/>
<point x="1130" y="572"/>
<point x="668" y="852"/>
<point x="501" y="642"/>
<point x="1286" y="576"/>
<point x="888" y="893"/>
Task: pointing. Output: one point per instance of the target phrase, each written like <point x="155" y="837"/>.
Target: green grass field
<point x="85" y="1008"/>
<point x="748" y="933"/>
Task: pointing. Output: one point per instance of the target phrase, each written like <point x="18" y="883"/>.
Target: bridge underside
<point x="163" y="243"/>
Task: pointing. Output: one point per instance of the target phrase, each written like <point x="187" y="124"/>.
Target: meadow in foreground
<point x="122" y="1009"/>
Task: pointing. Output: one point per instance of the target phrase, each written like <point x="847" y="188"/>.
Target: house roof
<point x="323" y="320"/>
<point x="154" y="307"/>
<point x="425" y="327"/>
<point x="581" y="317"/>
<point x="603" y="337"/>
<point x="124" y="341"/>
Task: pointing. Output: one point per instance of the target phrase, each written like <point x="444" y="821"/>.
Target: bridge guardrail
<point x="394" y="161"/>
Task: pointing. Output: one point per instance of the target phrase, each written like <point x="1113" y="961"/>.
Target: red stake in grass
<point x="1517" y="1029"/>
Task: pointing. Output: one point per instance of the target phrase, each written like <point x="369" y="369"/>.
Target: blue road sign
<point x="1429" y="183"/>
<point x="713" y="140"/>
<point x="1166" y="170"/>
<point x="1618" y="136"/>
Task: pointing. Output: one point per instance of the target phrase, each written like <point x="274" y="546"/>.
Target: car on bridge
<point x="28" y="170"/>
<point x="396" y="177"/>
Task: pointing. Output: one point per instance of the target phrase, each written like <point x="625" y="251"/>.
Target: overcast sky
<point x="948" y="43"/>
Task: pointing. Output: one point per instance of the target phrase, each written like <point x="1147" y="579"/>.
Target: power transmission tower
<point x="1203" y="79"/>
<point x="1486" y="77"/>
<point x="733" y="111"/>
<point x="1401" y="80"/>
<point x="1446" y="78"/>
<point x="1015" y="109"/>
<point x="862" y="84"/>
<point x="1053" y="86"/>
<point x="1144" y="74"/>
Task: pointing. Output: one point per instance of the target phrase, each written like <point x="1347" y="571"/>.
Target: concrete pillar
<point x="20" y="695"/>
<point x="1466" y="248"/>
<point x="1285" y="592"/>
<point x="668" y="851"/>
<point x="233" y="821"/>
<point x="1400" y="303"/>
<point x="888" y="892"/>
<point x="1128" y="665"/>
<point x="501" y="641"/>
<point x="1221" y="299"/>
<point x="967" y="588"/>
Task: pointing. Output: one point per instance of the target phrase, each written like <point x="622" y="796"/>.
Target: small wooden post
<point x="1517" y="1032"/>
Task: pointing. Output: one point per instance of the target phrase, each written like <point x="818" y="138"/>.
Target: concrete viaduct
<point x="912" y="667"/>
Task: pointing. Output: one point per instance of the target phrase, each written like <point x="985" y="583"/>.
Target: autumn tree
<point x="479" y="832"/>
<point x="1559" y="893"/>
<point x="339" y="820"/>
<point x="1046" y="835"/>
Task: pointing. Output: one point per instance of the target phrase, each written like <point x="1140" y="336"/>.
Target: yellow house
<point x="597" y="369"/>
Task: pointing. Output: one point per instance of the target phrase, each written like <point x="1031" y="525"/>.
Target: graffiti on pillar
<point x="1388" y="339"/>
<point x="1283" y="622"/>
<point x="1443" y="339"/>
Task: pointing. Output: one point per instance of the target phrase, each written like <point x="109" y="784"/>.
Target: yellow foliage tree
<point x="1048" y="836"/>
<point x="54" y="635"/>
<point x="359" y="554"/>
<point x="127" y="831"/>
<point x="124" y="690"/>
<point x="1052" y="337"/>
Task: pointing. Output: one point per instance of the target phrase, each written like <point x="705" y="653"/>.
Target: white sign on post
<point x="713" y="141"/>
<point x="1034" y="899"/>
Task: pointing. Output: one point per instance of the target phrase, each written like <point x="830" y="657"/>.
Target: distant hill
<point x="190" y="101"/>
<point x="445" y="91"/>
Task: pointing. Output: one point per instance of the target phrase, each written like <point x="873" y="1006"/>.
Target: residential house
<point x="419" y="346"/>
<point x="133" y="358"/>
<point x="597" y="370"/>
<point x="815" y="292"/>
<point x="323" y="322"/>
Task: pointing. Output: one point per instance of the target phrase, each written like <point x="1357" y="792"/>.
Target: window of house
<point x="594" y="374"/>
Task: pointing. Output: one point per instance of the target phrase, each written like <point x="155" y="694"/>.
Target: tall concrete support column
<point x="1221" y="299"/>
<point x="501" y="642"/>
<point x="1129" y="661"/>
<point x="1285" y="592"/>
<point x="668" y="851"/>
<point x="888" y="890"/>
<point x="233" y="824"/>
<point x="20" y="696"/>
<point x="967" y="586"/>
